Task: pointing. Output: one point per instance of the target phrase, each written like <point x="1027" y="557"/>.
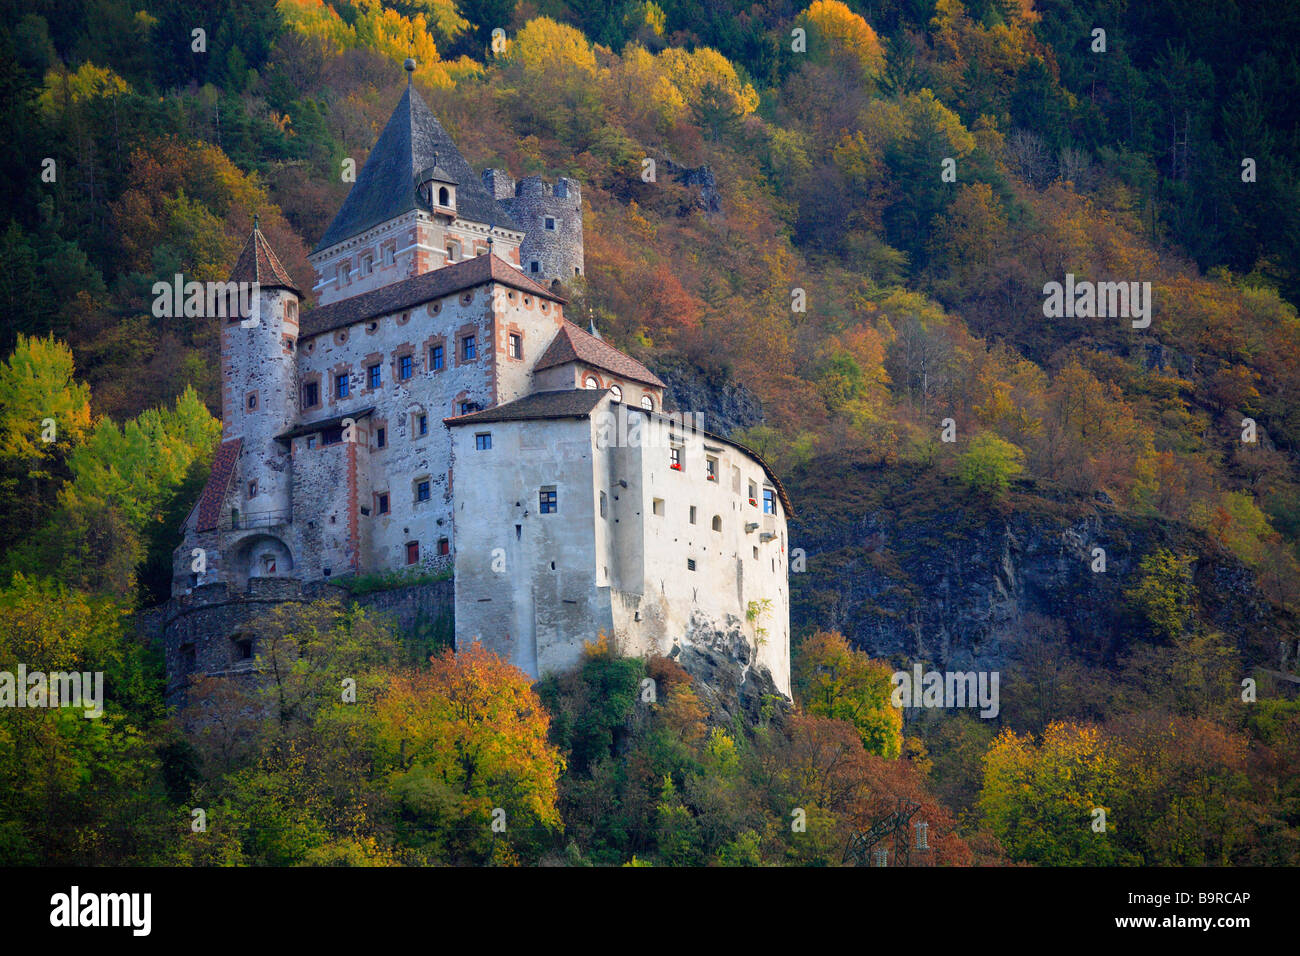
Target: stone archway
<point x="262" y="556"/>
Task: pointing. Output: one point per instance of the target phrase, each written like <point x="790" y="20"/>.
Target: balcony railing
<point x="260" y="519"/>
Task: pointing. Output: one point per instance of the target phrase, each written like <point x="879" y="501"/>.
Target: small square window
<point x="383" y="504"/>
<point x="657" y="507"/>
<point x="244" y="649"/>
<point x="483" y="442"/>
<point x="468" y="348"/>
<point x="381" y="437"/>
<point x="550" y="223"/>
<point x="412" y="552"/>
<point x="374" y="376"/>
<point x="467" y="407"/>
<point x="534" y="267"/>
<point x="515" y="345"/>
<point x="548" y="501"/>
<point x="444" y="547"/>
<point x="311" y="442"/>
<point x="435" y="358"/>
<point x="422" y="490"/>
<point x="405" y="365"/>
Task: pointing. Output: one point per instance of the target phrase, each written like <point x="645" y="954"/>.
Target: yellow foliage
<point x="843" y="30"/>
<point x="87" y="83"/>
<point x="692" y="72"/>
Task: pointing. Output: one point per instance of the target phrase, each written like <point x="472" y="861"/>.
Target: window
<point x="435" y="358"/>
<point x="453" y="251"/>
<point x="550" y="223"/>
<point x="711" y="468"/>
<point x="675" y="458"/>
<point x="367" y="265"/>
<point x="345" y="274"/>
<point x="548" y="502"/>
<point x="444" y="196"/>
<point x="412" y="552"/>
<point x="616" y="393"/>
<point x="383" y="504"/>
<point x="405" y="365"/>
<point x="753" y="494"/>
<point x="769" y="501"/>
<point x="388" y="255"/>
<point x="310" y="395"/>
<point x="422" y="490"/>
<point x="690" y="564"/>
<point x="657" y="506"/>
<point x="483" y="442"/>
<point x="647" y="403"/>
<point x="341" y="385"/>
<point x="692" y="514"/>
<point x="717" y="523"/>
<point x="444" y="547"/>
<point x="534" y="266"/>
<point x="591" y="382"/>
<point x="311" y="442"/>
<point x="603" y="503"/>
<point x="189" y="659"/>
<point x="467" y="407"/>
<point x="381" y="437"/>
<point x="331" y="436"/>
<point x="421" y="425"/>
<point x="243" y="648"/>
<point x="252" y="401"/>
<point x="468" y="348"/>
<point x="515" y="345"/>
<point x="252" y="489"/>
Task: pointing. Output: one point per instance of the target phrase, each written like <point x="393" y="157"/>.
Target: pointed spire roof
<point x="259" y="263"/>
<point x="412" y="141"/>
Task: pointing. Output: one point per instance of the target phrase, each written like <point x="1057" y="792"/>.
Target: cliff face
<point x="914" y="568"/>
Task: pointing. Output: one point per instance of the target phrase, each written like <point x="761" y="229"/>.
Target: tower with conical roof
<point x="416" y="206"/>
<point x="259" y="381"/>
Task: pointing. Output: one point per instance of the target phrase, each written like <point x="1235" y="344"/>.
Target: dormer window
<point x="444" y="196"/>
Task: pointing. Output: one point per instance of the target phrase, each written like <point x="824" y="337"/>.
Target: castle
<point x="438" y="411"/>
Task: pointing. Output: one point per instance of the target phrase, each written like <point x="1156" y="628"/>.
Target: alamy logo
<point x="1098" y="300"/>
<point x="37" y="689"/>
<point x="947" y="690"/>
<point x="195" y="300"/>
<point x="628" y="428"/>
<point x="102" y="909"/>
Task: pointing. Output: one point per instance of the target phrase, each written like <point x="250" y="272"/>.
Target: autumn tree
<point x="836" y="681"/>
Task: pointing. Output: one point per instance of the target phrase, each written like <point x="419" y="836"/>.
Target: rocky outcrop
<point x="727" y="406"/>
<point x="950" y="579"/>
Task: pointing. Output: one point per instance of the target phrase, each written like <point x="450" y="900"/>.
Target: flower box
<point x="713" y="477"/>
<point x="754" y="502"/>
<point x="675" y="467"/>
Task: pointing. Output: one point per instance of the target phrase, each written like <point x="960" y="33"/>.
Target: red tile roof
<point x="259" y="263"/>
<point x="214" y="492"/>
<point x="572" y="344"/>
<point x="466" y="274"/>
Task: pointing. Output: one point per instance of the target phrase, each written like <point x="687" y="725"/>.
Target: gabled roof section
<point x="412" y="141"/>
<point x="566" y="403"/>
<point x="259" y="263"/>
<point x="214" y="492"/>
<point x="417" y="290"/>
<point x="572" y="344"/>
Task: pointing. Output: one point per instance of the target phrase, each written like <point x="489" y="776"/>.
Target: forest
<point x="890" y="186"/>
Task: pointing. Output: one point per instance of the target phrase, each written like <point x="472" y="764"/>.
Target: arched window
<point x="617" y="392"/>
<point x="444" y="196"/>
<point x="591" y="382"/>
<point x="717" y="522"/>
<point x="647" y="403"/>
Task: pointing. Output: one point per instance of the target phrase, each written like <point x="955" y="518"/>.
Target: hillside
<point x="827" y="226"/>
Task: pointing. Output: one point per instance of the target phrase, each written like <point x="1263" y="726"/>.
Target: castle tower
<point x="551" y="217"/>
<point x="416" y="206"/>
<point x="259" y="382"/>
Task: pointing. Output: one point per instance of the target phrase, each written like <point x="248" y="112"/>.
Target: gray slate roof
<point x="412" y="141"/>
<point x="566" y="403"/>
